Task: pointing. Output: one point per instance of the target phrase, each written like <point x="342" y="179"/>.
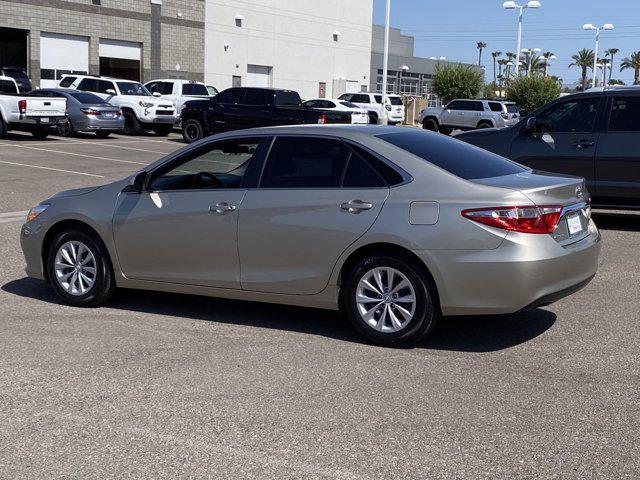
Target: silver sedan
<point x="393" y="226"/>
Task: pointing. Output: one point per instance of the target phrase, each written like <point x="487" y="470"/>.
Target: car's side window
<point x="166" y="88"/>
<point x="219" y="165"/>
<point x="229" y="97"/>
<point x="495" y="106"/>
<point x="311" y="103"/>
<point x="67" y="81"/>
<point x="104" y="85"/>
<point x="88" y="85"/>
<point x="477" y="106"/>
<point x="152" y="87"/>
<point x="455" y="105"/>
<point x="577" y="115"/>
<point x="625" y="114"/>
<point x="257" y="97"/>
<point x="359" y="174"/>
<point x="347" y="97"/>
<point x="305" y="162"/>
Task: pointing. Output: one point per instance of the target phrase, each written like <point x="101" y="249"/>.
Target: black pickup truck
<point x="246" y="107"/>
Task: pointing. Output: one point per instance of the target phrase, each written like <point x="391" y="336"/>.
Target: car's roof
<point x="99" y="77"/>
<point x="177" y="80"/>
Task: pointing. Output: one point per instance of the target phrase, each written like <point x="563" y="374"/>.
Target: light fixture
<point x="442" y="58"/>
<point x="509" y="5"/>
<point x="533" y="4"/>
<point x="588" y="26"/>
<point x="405" y="68"/>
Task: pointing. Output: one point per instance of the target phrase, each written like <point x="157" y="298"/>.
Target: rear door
<point x="617" y="164"/>
<point x="255" y="108"/>
<point x="316" y="197"/>
<point x="565" y="139"/>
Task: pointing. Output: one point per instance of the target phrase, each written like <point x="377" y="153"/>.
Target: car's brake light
<point x="527" y="219"/>
<point x="90" y="111"/>
<point x="22" y="106"/>
<point x="322" y="119"/>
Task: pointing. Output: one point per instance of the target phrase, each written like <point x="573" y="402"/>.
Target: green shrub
<point x="457" y="81"/>
<point x="531" y="93"/>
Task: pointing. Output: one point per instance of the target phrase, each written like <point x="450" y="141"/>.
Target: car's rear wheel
<point x="192" y="130"/>
<point x="162" y="130"/>
<point x="389" y="301"/>
<point x="430" y="124"/>
<point x="79" y="270"/>
<point x="40" y="133"/>
<point x="3" y="128"/>
<point x="485" y="125"/>
<point x="131" y="124"/>
<point x="102" y="134"/>
<point x="373" y="118"/>
<point x="65" y="129"/>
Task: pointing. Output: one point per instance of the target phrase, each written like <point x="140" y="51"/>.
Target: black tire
<point x="3" y="128"/>
<point x="65" y="129"/>
<point x="425" y="314"/>
<point x="445" y="130"/>
<point x="131" y="124"/>
<point x="102" y="134"/>
<point x="484" y="125"/>
<point x="103" y="287"/>
<point x="163" y="130"/>
<point x="373" y="118"/>
<point x="430" y="124"/>
<point x="192" y="130"/>
<point x="40" y="133"/>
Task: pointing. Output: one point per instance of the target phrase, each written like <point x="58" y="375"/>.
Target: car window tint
<point x="349" y="104"/>
<point x="395" y="100"/>
<point x="360" y="174"/>
<point x="152" y="87"/>
<point x="165" y="88"/>
<point x="88" y="85"/>
<point x="625" y="114"/>
<point x="87" y="98"/>
<point x="7" y="86"/>
<point x="67" y="81"/>
<point x="311" y="103"/>
<point x="577" y="115"/>
<point x="328" y="104"/>
<point x="455" y="105"/>
<point x="495" y="106"/>
<point x="226" y="160"/>
<point x="378" y="98"/>
<point x="230" y="96"/>
<point x="305" y="162"/>
<point x="512" y="108"/>
<point x="194" y="89"/>
<point x="347" y="97"/>
<point x="257" y="97"/>
<point x="104" y="85"/>
<point x="458" y="158"/>
<point x="390" y="175"/>
<point x="286" y="98"/>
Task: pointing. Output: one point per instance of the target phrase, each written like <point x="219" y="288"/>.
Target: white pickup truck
<point x="27" y="113"/>
<point x="178" y="91"/>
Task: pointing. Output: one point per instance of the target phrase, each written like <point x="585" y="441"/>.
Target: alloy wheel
<point x="75" y="268"/>
<point x="385" y="299"/>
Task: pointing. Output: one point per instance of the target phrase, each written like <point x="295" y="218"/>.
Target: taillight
<point x="322" y="119"/>
<point x="529" y="219"/>
<point x="22" y="106"/>
<point x="90" y="111"/>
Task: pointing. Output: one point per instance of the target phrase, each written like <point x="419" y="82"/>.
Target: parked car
<point x="595" y="135"/>
<point x="28" y="113"/>
<point x="394" y="226"/>
<point x="372" y="102"/>
<point x="19" y="75"/>
<point x="213" y="91"/>
<point x="86" y="112"/>
<point x="141" y="110"/>
<point x="358" y="115"/>
<point x="178" y="91"/>
<point x="243" y="107"/>
<point x="463" y="114"/>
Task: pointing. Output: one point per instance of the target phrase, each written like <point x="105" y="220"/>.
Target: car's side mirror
<point x="111" y="91"/>
<point x="156" y="94"/>
<point x="138" y="183"/>
<point x="530" y="125"/>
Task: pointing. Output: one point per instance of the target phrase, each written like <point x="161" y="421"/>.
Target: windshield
<point x="132" y="88"/>
<point x="213" y="91"/>
<point x="454" y="156"/>
<point x="395" y="100"/>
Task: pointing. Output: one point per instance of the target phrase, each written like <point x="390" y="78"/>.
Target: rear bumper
<point x="525" y="271"/>
<point x="38" y="121"/>
<point x="93" y="124"/>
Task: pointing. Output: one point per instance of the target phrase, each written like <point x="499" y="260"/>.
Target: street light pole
<point x="590" y="26"/>
<point x="385" y="61"/>
<point x="511" y="5"/>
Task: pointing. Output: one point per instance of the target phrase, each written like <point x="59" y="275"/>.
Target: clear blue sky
<point x="451" y="28"/>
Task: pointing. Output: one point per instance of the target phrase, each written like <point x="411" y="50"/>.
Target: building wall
<point x="180" y="37"/>
<point x="294" y="38"/>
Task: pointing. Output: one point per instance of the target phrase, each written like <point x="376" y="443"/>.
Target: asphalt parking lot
<point x="163" y="386"/>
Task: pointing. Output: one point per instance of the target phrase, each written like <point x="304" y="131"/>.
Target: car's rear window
<point x="286" y="98"/>
<point x="87" y="98"/>
<point x="454" y="156"/>
<point x="512" y="108"/>
<point x="194" y="89"/>
<point x="395" y="100"/>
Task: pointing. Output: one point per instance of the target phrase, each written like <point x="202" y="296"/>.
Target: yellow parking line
<point x="51" y="168"/>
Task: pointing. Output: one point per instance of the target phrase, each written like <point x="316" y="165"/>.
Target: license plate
<point x="574" y="224"/>
<point x="109" y="115"/>
<point x="44" y="120"/>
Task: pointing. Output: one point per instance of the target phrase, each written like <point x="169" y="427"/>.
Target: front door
<point x="564" y="140"/>
<point x="223" y="114"/>
<point x="618" y="155"/>
<point x="183" y="229"/>
<point x="315" y="198"/>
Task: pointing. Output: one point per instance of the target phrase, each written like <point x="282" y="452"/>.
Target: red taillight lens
<point x="90" y="111"/>
<point x="22" y="106"/>
<point x="528" y="219"/>
<point x="322" y="119"/>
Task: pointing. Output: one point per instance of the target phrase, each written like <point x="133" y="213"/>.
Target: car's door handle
<point x="584" y="144"/>
<point x="356" y="206"/>
<point x="221" y="208"/>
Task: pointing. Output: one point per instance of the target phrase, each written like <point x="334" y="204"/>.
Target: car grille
<point x="164" y="112"/>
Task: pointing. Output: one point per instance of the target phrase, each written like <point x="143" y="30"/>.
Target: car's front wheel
<point x="430" y="124"/>
<point x="78" y="269"/>
<point x="192" y="130"/>
<point x="389" y="300"/>
<point x="131" y="124"/>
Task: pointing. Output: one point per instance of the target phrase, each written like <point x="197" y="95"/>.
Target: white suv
<point x="141" y="109"/>
<point x="178" y="91"/>
<point x="372" y="102"/>
<point x="468" y="114"/>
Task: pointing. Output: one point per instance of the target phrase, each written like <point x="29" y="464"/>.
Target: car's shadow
<point x="466" y="334"/>
<point x="625" y="221"/>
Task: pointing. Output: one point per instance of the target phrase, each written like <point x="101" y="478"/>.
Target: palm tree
<point x="480" y="46"/>
<point x="547" y="55"/>
<point x="604" y="62"/>
<point x="632" y="62"/>
<point x="584" y="60"/>
<point x="495" y="56"/>
<point x="510" y="58"/>
<point x="611" y="53"/>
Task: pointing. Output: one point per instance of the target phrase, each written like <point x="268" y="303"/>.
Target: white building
<point x="319" y="48"/>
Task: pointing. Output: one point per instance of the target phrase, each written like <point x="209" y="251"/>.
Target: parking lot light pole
<point x="591" y="26"/>
<point x="385" y="60"/>
<point x="511" y="5"/>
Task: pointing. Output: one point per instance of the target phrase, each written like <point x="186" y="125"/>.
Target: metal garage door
<point x="61" y="54"/>
<point x="258" y="76"/>
<point x="119" y="58"/>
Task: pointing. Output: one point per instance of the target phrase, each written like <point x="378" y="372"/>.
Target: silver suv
<point x="470" y="114"/>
